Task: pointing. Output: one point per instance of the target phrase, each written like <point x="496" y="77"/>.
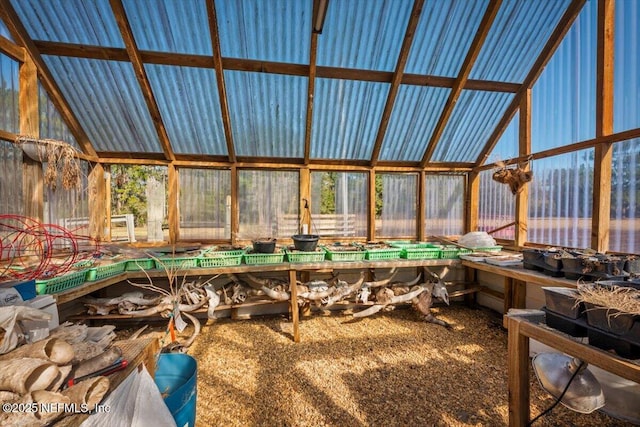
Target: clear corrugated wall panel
<point x="275" y="30"/>
<point x="396" y="205"/>
<point x="177" y="26"/>
<point x="472" y="121"/>
<point x="414" y="116"/>
<point x="108" y="101"/>
<point x="52" y="126"/>
<point x="340" y="197"/>
<point x="444" y="205"/>
<point x="363" y="34"/>
<point x="190" y="108"/>
<point x="9" y="85"/>
<point x="205" y="204"/>
<point x="624" y="233"/>
<point x="517" y="36"/>
<point x="560" y="200"/>
<point x="11" y="199"/>
<point x="268" y="113"/>
<point x="264" y="199"/>
<point x="61" y="203"/>
<point x="70" y="21"/>
<point x="563" y="98"/>
<point x="444" y="27"/>
<point x="496" y="207"/>
<point x="627" y="66"/>
<point x="508" y="144"/>
<point x="346" y="118"/>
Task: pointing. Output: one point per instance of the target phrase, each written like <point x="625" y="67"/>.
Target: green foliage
<point x="379" y="188"/>
<point x="128" y="185"/>
<point x="328" y="193"/>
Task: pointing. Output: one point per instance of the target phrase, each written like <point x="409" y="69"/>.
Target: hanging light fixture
<point x="568" y="380"/>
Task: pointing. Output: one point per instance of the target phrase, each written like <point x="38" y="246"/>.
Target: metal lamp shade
<point x="554" y="371"/>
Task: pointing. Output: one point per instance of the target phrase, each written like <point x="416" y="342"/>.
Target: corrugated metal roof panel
<point x="9" y="118"/>
<point x="508" y="144"/>
<point x="363" y="34"/>
<point x="4" y="31"/>
<point x="473" y="119"/>
<point x="268" y="113"/>
<point x="51" y="123"/>
<point x="177" y="26"/>
<point x="107" y="100"/>
<point x="188" y="101"/>
<point x="564" y="97"/>
<point x="627" y="67"/>
<point x="346" y="117"/>
<point x="444" y="28"/>
<point x="70" y="21"/>
<point x="415" y="114"/>
<point x="276" y="30"/>
<point x="516" y="38"/>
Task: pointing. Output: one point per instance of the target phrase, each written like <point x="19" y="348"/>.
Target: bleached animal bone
<point x="214" y="300"/>
<point x="390" y="299"/>
<point x="343" y="290"/>
<point x="384" y="282"/>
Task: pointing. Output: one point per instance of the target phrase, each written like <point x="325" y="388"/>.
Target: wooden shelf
<point x="520" y="273"/>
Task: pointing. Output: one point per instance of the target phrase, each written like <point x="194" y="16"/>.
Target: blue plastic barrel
<point x="176" y="378"/>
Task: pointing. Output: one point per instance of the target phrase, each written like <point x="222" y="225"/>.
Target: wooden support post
<point x="519" y="294"/>
<point x="522" y="198"/>
<point x="235" y="216"/>
<point x="305" y="199"/>
<point x="421" y="217"/>
<point x="604" y="126"/>
<point x="98" y="195"/>
<point x="293" y="289"/>
<point x="172" y="200"/>
<point x="472" y="202"/>
<point x="518" y="370"/>
<point x="371" y="203"/>
<point x="508" y="294"/>
<point x="32" y="175"/>
<point x="107" y="210"/>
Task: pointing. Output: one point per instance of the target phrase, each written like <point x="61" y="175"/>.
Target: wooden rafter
<point x="11" y="49"/>
<point x="258" y="66"/>
<point x="397" y="78"/>
<point x="222" y="91"/>
<point x="310" y="93"/>
<point x="547" y="52"/>
<point x="19" y="32"/>
<point x="141" y="76"/>
<point x="461" y="80"/>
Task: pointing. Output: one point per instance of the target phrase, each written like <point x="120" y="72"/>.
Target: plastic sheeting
<point x="444" y="205"/>
<point x="397" y="212"/>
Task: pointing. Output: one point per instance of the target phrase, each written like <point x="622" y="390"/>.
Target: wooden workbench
<point x="526" y="324"/>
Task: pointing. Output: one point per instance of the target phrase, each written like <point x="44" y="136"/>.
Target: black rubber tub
<point x="305" y="242"/>
<point x="264" y="246"/>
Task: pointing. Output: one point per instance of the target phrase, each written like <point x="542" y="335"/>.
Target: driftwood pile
<point x="42" y="382"/>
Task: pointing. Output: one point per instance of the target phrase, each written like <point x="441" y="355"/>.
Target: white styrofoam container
<point x="39" y="329"/>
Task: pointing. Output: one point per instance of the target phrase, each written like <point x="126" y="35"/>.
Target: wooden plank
<point x="371" y="207"/>
<point x="461" y="80"/>
<point x="545" y="55"/>
<point x="524" y="144"/>
<point x="173" y="202"/>
<point x="519" y="295"/>
<point x="12" y="50"/>
<point x="305" y="201"/>
<point x="313" y="52"/>
<point x="518" y="375"/>
<point x="11" y="19"/>
<point x="519" y="273"/>
<point x="403" y="55"/>
<point x="222" y="89"/>
<point x="295" y="313"/>
<point x="422" y="210"/>
<point x="141" y="76"/>
<point x="604" y="126"/>
<point x="98" y="195"/>
<point x="472" y="202"/>
<point x="235" y="212"/>
<point x="508" y="294"/>
<point x="107" y="207"/>
<point x="71" y="294"/>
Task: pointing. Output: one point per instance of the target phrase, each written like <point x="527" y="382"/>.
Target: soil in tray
<point x="343" y="248"/>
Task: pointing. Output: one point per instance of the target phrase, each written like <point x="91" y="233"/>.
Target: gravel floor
<point x="388" y="370"/>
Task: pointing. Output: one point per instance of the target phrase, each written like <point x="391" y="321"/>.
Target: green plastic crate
<point x="140" y="264"/>
<point x="420" y="253"/>
<point x="357" y="255"/>
<point x="60" y="283"/>
<point x="301" y="256"/>
<point x="176" y="262"/>
<point x="104" y="271"/>
<point x="377" y="254"/>
<point x="449" y="252"/>
<point x="220" y="258"/>
<point x="251" y="258"/>
<point x="412" y="244"/>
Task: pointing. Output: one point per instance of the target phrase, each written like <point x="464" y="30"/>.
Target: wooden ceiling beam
<point x="19" y="33"/>
<point x="396" y="80"/>
<point x="310" y="92"/>
<point x="12" y="50"/>
<point x="222" y="89"/>
<point x="570" y="15"/>
<point x="141" y="76"/>
<point x="238" y="64"/>
<point x="461" y="80"/>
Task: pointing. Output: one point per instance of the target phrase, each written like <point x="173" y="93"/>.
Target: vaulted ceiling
<point x="421" y="83"/>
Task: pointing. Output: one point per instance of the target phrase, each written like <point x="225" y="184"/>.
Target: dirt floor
<point x="391" y="369"/>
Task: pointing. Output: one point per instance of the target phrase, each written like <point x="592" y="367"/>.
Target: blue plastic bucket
<point x="176" y="378"/>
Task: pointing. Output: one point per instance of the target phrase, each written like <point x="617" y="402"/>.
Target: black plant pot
<point x="305" y="242"/>
<point x="264" y="246"/>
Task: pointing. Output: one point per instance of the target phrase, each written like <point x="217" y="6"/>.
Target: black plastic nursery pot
<point x="305" y="242"/>
<point x="264" y="246"/>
